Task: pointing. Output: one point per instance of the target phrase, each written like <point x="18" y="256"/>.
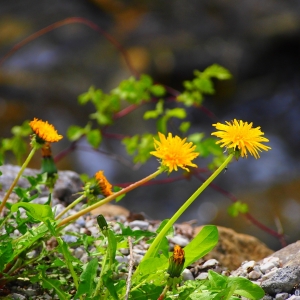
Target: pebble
<point x="278" y="282"/>
<point x="187" y="275"/>
<point x="269" y="275"/>
<point x="71" y="228"/>
<point x="282" y="296"/>
<point x="16" y="296"/>
<point x="78" y="252"/>
<point x="139" y="225"/>
<point x="90" y="223"/>
<point x="30" y="292"/>
<point x="254" y="275"/>
<point x="81" y="222"/>
<point x="94" y="230"/>
<point x="122" y="259"/>
<point x="179" y="240"/>
<point x="69" y="238"/>
<point x="57" y="209"/>
<point x="248" y="265"/>
<point x="267" y="297"/>
<point x="210" y="263"/>
<point x="202" y="276"/>
<point x="266" y="267"/>
<point x="137" y="258"/>
<point x="84" y="258"/>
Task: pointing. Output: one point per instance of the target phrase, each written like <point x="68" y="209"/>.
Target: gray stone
<point x="69" y="238"/>
<point x="71" y="228"/>
<point x="78" y="252"/>
<point x="248" y="264"/>
<point x="269" y="275"/>
<point x="142" y="225"/>
<point x="283" y="280"/>
<point x="122" y="259"/>
<point x="187" y="275"/>
<point x="67" y="186"/>
<point x="210" y="263"/>
<point x="179" y="240"/>
<point x="90" y="223"/>
<point x="137" y="258"/>
<point x="30" y="292"/>
<point x="254" y="275"/>
<point x="294" y="297"/>
<point x="80" y="221"/>
<point x="16" y="296"/>
<point x="202" y="276"/>
<point x="268" y="266"/>
<point x="282" y="296"/>
<point x="267" y="297"/>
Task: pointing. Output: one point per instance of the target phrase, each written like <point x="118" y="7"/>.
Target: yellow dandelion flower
<point x="104" y="185"/>
<point x="240" y="136"/>
<point x="45" y="131"/>
<point x="174" y="152"/>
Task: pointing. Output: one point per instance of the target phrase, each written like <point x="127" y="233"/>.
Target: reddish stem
<point x="65" y="152"/>
<point x="248" y="216"/>
<point x="126" y="111"/>
<point x="70" y="21"/>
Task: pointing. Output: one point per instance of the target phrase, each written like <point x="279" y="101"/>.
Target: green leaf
<point x="196" y="137"/>
<point x="55" y="284"/>
<point x="216" y="280"/>
<point x="127" y="231"/>
<point x="153" y="114"/>
<point x="140" y="146"/>
<point x="217" y="71"/>
<point x="147" y="291"/>
<point x="236" y="208"/>
<point x="87" y="279"/>
<point x="5" y="254"/>
<point x="107" y="279"/>
<point x="157" y="90"/>
<point x="161" y="125"/>
<point x="184" y="126"/>
<point x="170" y="232"/>
<point x="152" y="265"/>
<point x="246" y="288"/>
<point x="131" y="143"/>
<point x="205" y="85"/>
<point x="179" y="113"/>
<point x="37" y="211"/>
<point x="74" y="133"/>
<point x="94" y="138"/>
<point x="112" y="244"/>
<point x="202" y="244"/>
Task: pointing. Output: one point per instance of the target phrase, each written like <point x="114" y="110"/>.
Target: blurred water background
<point x="257" y="40"/>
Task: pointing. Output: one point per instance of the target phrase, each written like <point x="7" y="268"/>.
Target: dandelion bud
<point x="176" y="262"/>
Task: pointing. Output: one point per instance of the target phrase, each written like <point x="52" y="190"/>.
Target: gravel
<point x="278" y="276"/>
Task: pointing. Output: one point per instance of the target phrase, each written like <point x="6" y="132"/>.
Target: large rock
<point x="287" y="278"/>
<point x="65" y="189"/>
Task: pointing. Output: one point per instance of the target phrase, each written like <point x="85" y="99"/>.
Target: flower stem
<point x="17" y="178"/>
<point x="70" y="206"/>
<point x="154" y="246"/>
<point x="110" y="198"/>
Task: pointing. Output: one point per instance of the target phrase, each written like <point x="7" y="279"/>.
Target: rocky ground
<point x="235" y="254"/>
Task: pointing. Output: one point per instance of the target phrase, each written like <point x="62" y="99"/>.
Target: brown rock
<point x="233" y="248"/>
<point x="110" y="210"/>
